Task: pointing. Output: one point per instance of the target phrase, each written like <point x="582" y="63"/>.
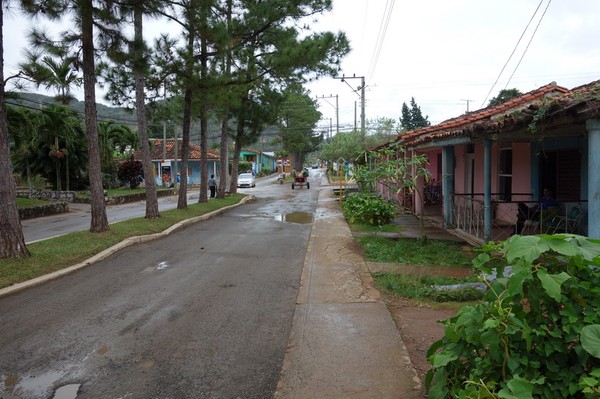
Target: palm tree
<point x="113" y="138"/>
<point x="52" y="67"/>
<point x="23" y="127"/>
<point x="58" y="123"/>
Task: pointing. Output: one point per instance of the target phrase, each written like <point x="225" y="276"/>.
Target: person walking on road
<point x="212" y="185"/>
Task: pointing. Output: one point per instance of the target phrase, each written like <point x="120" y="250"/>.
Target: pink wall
<point x="521" y="168"/>
<point x="433" y="165"/>
<point x="521" y="178"/>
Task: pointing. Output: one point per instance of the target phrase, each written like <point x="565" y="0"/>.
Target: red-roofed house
<point x="166" y="161"/>
<point x="488" y="164"/>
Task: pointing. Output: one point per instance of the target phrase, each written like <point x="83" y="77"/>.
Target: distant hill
<point x="126" y="116"/>
<point x="120" y="115"/>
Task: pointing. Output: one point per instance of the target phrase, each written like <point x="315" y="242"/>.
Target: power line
<point x="530" y="40"/>
<point x="387" y="14"/>
<point x="511" y="54"/>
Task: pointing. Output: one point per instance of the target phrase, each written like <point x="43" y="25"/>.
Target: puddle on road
<point x="295" y="217"/>
<point x="162" y="265"/>
<point x="38" y="385"/>
<point x="67" y="392"/>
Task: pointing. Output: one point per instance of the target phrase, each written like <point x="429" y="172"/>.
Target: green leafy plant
<point x="393" y="167"/>
<point x="368" y="208"/>
<point x="539" y="116"/>
<point x="536" y="335"/>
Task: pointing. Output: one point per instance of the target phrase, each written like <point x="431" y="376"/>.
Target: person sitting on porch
<point x="547" y="200"/>
<point x="534" y="214"/>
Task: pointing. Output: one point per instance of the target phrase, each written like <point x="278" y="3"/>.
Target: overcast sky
<point x="447" y="54"/>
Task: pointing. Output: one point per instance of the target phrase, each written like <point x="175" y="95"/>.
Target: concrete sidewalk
<point x="344" y="343"/>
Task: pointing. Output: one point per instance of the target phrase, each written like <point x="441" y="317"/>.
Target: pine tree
<point x="412" y="118"/>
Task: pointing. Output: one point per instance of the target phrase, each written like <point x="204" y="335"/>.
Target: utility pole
<point x="361" y="96"/>
<point x="337" y="110"/>
<point x="468" y="101"/>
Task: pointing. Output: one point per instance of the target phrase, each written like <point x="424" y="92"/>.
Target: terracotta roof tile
<point x="156" y="150"/>
<point x="480" y="119"/>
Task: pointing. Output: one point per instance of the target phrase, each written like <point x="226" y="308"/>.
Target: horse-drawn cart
<point x="301" y="180"/>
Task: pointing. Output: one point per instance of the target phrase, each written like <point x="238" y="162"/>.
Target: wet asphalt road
<point x="203" y="313"/>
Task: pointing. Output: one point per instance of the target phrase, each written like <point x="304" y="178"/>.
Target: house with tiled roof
<point x="489" y="167"/>
<point x="166" y="161"/>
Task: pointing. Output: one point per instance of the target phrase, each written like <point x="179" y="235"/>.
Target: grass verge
<point x="23" y="202"/>
<point x="115" y="192"/>
<point x="422" y="287"/>
<point x="367" y="228"/>
<point x="60" y="252"/>
<point x="410" y="251"/>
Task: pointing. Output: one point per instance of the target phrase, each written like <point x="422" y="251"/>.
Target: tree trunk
<point x="203" y="154"/>
<point x="140" y="104"/>
<point x="296" y="160"/>
<point x="239" y="139"/>
<point x="67" y="177"/>
<point x="235" y="163"/>
<point x="223" y="156"/>
<point x="12" y="241"/>
<point x="185" y="147"/>
<point x="99" y="220"/>
<point x="57" y="159"/>
<point x="224" y="142"/>
<point x="203" y="197"/>
<point x="187" y="106"/>
<point x="29" y="181"/>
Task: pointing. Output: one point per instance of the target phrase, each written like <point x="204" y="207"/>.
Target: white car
<point x="246" y="180"/>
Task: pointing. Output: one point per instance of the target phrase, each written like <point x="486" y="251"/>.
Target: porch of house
<point x="517" y="215"/>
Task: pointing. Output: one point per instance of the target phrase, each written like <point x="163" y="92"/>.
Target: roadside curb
<point x="13" y="289"/>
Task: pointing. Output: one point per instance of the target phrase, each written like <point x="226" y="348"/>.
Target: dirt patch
<point x="418" y="325"/>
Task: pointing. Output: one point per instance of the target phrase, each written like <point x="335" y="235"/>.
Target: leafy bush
<point x="368" y="208"/>
<point x="537" y="335"/>
<point x="131" y="172"/>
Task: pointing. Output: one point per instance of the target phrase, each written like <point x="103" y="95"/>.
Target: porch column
<point x="593" y="128"/>
<point x="420" y="188"/>
<point x="487" y="190"/>
<point x="448" y="183"/>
